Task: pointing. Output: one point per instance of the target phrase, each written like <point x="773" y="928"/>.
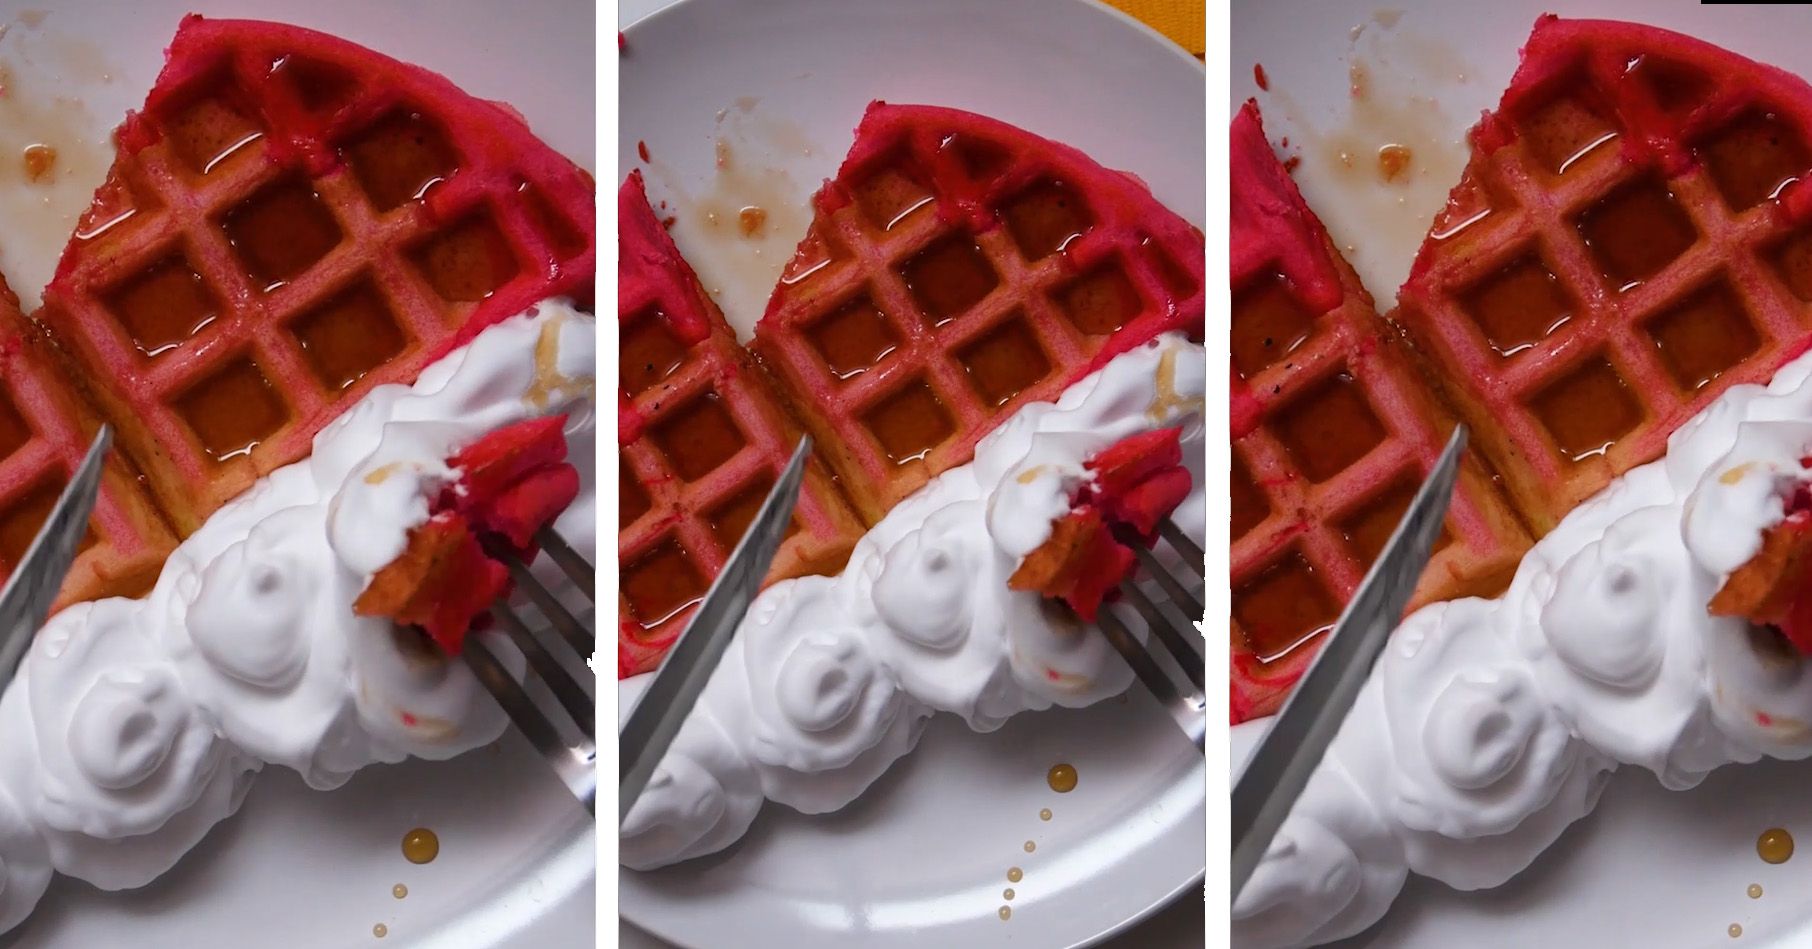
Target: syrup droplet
<point x="1062" y="778"/>
<point x="399" y="891"/>
<point x="421" y="846"/>
<point x="40" y="161"/>
<point x="1393" y="161"/>
<point x="1775" y="845"/>
<point x="380" y="930"/>
<point x="1044" y="814"/>
<point x="1030" y="846"/>
<point x="1015" y="874"/>
<point x="1007" y="893"/>
<point x="752" y="219"/>
<point x="1755" y="891"/>
<point x="1006" y="913"/>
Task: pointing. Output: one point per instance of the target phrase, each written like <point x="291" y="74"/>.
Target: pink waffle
<point x="1333" y="432"/>
<point x="702" y="438"/>
<point x="45" y="430"/>
<point x="957" y="269"/>
<point x="292" y="220"/>
<point x="1630" y="239"/>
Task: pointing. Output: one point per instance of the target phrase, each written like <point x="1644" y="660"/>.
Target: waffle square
<point x="45" y="430"/>
<point x="702" y="439"/>
<point x="1631" y="238"/>
<point x="958" y="268"/>
<point x="291" y="221"/>
<point x="1333" y="432"/>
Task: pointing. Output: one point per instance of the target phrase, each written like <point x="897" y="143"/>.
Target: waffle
<point x="702" y="437"/>
<point x="45" y="430"/>
<point x="1333" y="431"/>
<point x="290" y="221"/>
<point x="957" y="269"/>
<point x="1627" y="243"/>
<point x="1770" y="590"/>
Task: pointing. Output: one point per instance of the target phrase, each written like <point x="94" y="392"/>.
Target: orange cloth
<point x="1184" y="22"/>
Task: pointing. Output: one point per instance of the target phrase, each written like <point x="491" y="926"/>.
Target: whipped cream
<point x="830" y="680"/>
<point x="1489" y="726"/>
<point x="134" y="726"/>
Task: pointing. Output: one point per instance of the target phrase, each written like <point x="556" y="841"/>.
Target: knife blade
<point x="26" y="599"/>
<point x="1285" y="758"/>
<point x="682" y="676"/>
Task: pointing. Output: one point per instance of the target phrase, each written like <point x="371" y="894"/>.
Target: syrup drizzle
<point x="1384" y="170"/>
<point x="743" y="216"/>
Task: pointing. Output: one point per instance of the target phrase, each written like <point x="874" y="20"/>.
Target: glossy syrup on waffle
<point x="1627" y="242"/>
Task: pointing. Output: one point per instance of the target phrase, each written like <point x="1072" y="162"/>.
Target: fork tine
<point x="576" y="766"/>
<point x="568" y="692"/>
<point x="1193" y="723"/>
<point x="509" y="694"/>
<point x="1192" y="555"/>
<point x="563" y="621"/>
<point x="1175" y="640"/>
<point x="580" y="572"/>
<point x="1183" y="599"/>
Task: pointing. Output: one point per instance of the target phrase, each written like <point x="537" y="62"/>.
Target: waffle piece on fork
<point x="958" y="268"/>
<point x="1333" y="432"/>
<point x="1630" y="239"/>
<point x="702" y="438"/>
<point x="291" y="220"/>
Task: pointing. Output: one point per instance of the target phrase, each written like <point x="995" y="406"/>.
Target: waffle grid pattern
<point x="682" y="503"/>
<point x="1716" y="313"/>
<point x="687" y="512"/>
<point x="483" y="213"/>
<point x="1317" y="516"/>
<point x="1317" y="538"/>
<point x="1333" y="432"/>
<point x="44" y="433"/>
<point x="1049" y="309"/>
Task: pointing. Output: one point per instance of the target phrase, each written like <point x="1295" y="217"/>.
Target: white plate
<point x="1649" y="868"/>
<point x="784" y="84"/>
<point x="923" y="858"/>
<point x="296" y="867"/>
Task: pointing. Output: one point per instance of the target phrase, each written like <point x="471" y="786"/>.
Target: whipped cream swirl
<point x="830" y="680"/>
<point x="1489" y="726"/>
<point x="134" y="726"/>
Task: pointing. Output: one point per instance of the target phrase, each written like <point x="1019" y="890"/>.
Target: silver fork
<point x="1172" y="622"/>
<point x="564" y="738"/>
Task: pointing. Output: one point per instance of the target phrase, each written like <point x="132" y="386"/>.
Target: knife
<point x="1285" y="758"/>
<point x="683" y="674"/>
<point x="26" y="599"/>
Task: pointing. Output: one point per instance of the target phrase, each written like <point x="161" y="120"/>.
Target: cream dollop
<point x="24" y="863"/>
<point x="1488" y="727"/>
<point x="704" y="795"/>
<point x="915" y="592"/>
<point x="1749" y="492"/>
<point x="829" y="681"/>
<point x="134" y="726"/>
<point x="830" y="696"/>
<point x="117" y="770"/>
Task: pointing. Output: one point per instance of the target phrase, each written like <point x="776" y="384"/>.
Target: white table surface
<point x="1178" y="926"/>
